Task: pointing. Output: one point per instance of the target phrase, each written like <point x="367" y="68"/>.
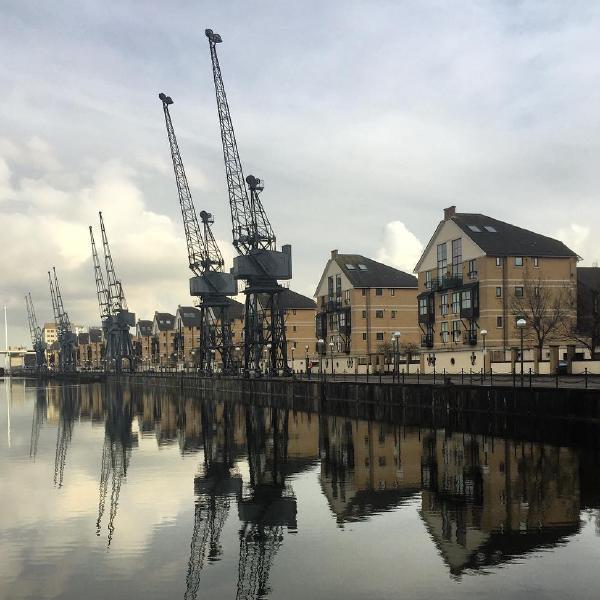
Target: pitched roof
<point x="164" y="321"/>
<point x="189" y="315"/>
<point x="497" y="238"/>
<point x="366" y="273"/>
<point x="235" y="309"/>
<point x="589" y="277"/>
<point x="289" y="299"/>
<point x="144" y="327"/>
<point x="95" y="335"/>
<point x="83" y="338"/>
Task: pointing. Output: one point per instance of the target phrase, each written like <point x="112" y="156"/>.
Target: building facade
<point x="187" y="337"/>
<point x="163" y="340"/>
<point x="478" y="274"/>
<point x="361" y="304"/>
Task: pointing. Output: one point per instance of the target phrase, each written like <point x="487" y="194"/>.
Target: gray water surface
<point x="110" y="492"/>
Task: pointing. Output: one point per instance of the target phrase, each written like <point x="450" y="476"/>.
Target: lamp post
<point x="237" y="359"/>
<point x="396" y="341"/>
<point x="306" y="359"/>
<point x="521" y="325"/>
<point x="320" y="344"/>
<point x="483" y="333"/>
<point x="293" y="359"/>
<point x="331" y="353"/>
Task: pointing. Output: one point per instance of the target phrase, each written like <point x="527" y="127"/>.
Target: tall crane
<point x="259" y="263"/>
<point x="116" y="317"/>
<point x="210" y="283"/>
<point x="66" y="338"/>
<point x="39" y="346"/>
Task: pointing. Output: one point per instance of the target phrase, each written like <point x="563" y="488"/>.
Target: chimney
<point x="334" y="253"/>
<point x="449" y="212"/>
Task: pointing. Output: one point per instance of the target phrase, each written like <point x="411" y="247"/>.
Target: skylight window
<point x="474" y="228"/>
<point x="350" y="267"/>
<point x="490" y="228"/>
<point x="362" y="267"/>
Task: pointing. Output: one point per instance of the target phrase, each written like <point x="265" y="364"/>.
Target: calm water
<point x="109" y="492"/>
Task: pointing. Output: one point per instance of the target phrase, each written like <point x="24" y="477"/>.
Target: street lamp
<point x="483" y="333"/>
<point x="293" y="359"/>
<point x="306" y="359"/>
<point x="396" y="340"/>
<point x="237" y="358"/>
<point x="331" y="352"/>
<point x="521" y="325"/>
<point x="267" y="369"/>
<point x="320" y="345"/>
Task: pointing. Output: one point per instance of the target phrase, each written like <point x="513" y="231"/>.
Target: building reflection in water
<point x="482" y="500"/>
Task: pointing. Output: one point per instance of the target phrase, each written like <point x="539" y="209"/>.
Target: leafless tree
<point x="586" y="328"/>
<point x="548" y="310"/>
<point x="409" y="349"/>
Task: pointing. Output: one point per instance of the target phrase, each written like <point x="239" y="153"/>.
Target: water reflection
<point x="484" y="501"/>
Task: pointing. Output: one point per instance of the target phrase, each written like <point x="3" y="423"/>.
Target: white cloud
<point x="577" y="237"/>
<point x="400" y="248"/>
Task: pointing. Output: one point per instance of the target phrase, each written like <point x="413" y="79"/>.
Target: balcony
<point x="427" y="340"/>
<point x="470" y="338"/>
<point x="450" y="282"/>
<point x="432" y="285"/>
<point x="427" y="318"/>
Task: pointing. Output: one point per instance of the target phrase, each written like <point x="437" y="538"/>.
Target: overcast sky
<point x="365" y="119"/>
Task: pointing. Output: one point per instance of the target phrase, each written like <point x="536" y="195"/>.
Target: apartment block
<point x="476" y="270"/>
<point x="361" y="304"/>
<point x="163" y="342"/>
<point x="50" y="333"/>
<point x="300" y="312"/>
<point x="187" y="336"/>
<point x="143" y="342"/>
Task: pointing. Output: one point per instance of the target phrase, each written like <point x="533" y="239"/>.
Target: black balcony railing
<point x="470" y="338"/>
<point x="450" y="282"/>
<point x="427" y="318"/>
<point x="427" y="340"/>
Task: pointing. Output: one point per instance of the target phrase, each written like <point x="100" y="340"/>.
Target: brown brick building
<point x="476" y="269"/>
<point x="361" y="303"/>
<point x="163" y="342"/>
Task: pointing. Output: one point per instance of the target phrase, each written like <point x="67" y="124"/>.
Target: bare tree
<point x="409" y="349"/>
<point x="548" y="311"/>
<point x="386" y="350"/>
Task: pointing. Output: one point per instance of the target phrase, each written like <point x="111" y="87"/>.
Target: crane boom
<point x="101" y="289"/>
<point x="36" y="333"/>
<point x="115" y="289"/>
<point x="203" y="252"/>
<point x="251" y="227"/>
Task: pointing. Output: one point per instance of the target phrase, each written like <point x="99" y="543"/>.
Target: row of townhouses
<point x="476" y="281"/>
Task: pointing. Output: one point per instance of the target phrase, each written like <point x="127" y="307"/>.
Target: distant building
<point x="300" y="312"/>
<point x="143" y="342"/>
<point x="187" y="337"/>
<point x="471" y="272"/>
<point x="163" y="343"/>
<point x="50" y="333"/>
<point x="361" y="303"/>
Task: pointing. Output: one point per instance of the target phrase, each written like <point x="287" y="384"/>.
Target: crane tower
<point x="259" y="263"/>
<point x="210" y="283"/>
<point x="39" y="346"/>
<point x="67" y="340"/>
<point x="116" y="317"/>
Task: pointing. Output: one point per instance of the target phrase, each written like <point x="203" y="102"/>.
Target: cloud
<point x="577" y="237"/>
<point x="400" y="247"/>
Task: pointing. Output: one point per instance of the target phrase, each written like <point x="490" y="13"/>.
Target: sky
<point x="365" y="119"/>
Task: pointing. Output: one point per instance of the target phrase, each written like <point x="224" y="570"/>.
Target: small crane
<point x="39" y="346"/>
<point x="67" y="340"/>
<point x="259" y="262"/>
<point x="116" y="317"/>
<point x="210" y="283"/>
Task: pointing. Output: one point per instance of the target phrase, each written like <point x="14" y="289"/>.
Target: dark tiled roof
<point x="95" y="335"/>
<point x="376" y="274"/>
<point x="289" y="299"/>
<point x="164" y="321"/>
<point x="235" y="310"/>
<point x="145" y="327"/>
<point x="190" y="316"/>
<point x="589" y="277"/>
<point x="507" y="239"/>
<point x="83" y="338"/>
